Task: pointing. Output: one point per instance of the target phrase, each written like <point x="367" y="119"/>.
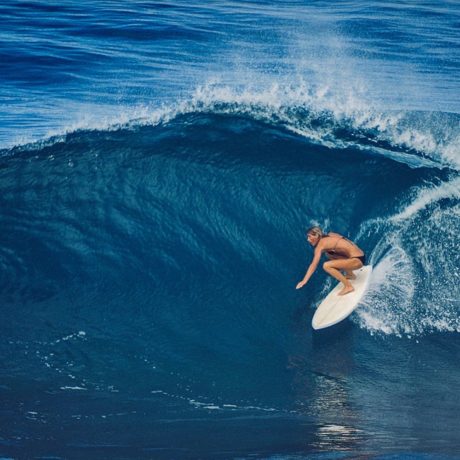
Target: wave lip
<point x="341" y="120"/>
<point x="415" y="138"/>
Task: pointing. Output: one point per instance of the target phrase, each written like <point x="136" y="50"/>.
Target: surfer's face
<point x="312" y="239"/>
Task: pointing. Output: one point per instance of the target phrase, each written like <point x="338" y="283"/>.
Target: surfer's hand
<point x="300" y="285"/>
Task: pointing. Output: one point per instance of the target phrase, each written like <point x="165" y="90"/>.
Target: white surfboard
<point x="335" y="308"/>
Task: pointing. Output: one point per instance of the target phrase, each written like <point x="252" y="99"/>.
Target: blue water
<point x="159" y="164"/>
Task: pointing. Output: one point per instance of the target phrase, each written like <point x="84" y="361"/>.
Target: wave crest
<point x="316" y="113"/>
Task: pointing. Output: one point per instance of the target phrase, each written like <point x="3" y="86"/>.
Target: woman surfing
<point x="343" y="255"/>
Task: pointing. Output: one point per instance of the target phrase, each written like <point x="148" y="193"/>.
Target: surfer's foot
<point x="346" y="290"/>
<point x="350" y="276"/>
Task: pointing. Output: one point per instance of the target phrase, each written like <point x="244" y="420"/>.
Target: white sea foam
<point x="427" y="196"/>
<point x="414" y="288"/>
<point x="74" y="388"/>
<point x="387" y="305"/>
<point x="207" y="405"/>
<point x="75" y="335"/>
<point x="425" y="133"/>
<point x="313" y="111"/>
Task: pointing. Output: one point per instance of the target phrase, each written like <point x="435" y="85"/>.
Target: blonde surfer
<point x="343" y="254"/>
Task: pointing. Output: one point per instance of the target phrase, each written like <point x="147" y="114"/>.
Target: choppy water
<point x="160" y="163"/>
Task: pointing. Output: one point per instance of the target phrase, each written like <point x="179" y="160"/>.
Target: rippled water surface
<point x="159" y="165"/>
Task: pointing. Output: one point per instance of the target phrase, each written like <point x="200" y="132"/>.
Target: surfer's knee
<point x="327" y="266"/>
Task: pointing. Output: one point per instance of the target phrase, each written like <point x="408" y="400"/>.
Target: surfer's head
<point x="314" y="234"/>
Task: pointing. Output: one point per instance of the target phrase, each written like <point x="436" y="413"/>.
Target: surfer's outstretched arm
<point x="311" y="268"/>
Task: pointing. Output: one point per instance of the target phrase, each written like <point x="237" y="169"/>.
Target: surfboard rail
<point x="335" y="308"/>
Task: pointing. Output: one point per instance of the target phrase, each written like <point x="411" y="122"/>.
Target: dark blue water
<point x="159" y="164"/>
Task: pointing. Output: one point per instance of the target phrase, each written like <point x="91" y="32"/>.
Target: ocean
<point x="160" y="162"/>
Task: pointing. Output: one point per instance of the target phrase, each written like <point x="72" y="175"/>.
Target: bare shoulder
<point x="334" y="235"/>
<point x="322" y="244"/>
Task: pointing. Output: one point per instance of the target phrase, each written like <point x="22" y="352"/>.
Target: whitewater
<point x="160" y="163"/>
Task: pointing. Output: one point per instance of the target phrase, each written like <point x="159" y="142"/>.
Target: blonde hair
<point x="316" y="231"/>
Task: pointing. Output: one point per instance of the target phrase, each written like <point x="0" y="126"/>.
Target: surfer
<point x="343" y="255"/>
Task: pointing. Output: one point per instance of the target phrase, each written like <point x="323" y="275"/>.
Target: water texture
<point x="159" y="165"/>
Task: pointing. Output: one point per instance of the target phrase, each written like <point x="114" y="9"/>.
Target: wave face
<point x="159" y="166"/>
<point x="155" y="265"/>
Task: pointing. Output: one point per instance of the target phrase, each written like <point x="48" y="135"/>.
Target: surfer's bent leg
<point x="333" y="267"/>
<point x="349" y="275"/>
